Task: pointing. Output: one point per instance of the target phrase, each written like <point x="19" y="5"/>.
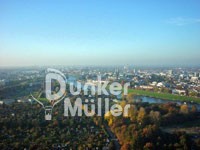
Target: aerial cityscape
<point x="100" y="75"/>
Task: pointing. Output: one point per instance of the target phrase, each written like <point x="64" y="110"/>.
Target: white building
<point x="180" y="92"/>
<point x="194" y="79"/>
<point x="160" y="84"/>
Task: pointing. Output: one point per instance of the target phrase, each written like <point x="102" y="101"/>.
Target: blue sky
<point x="99" y="32"/>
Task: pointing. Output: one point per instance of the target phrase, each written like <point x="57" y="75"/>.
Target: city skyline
<point x="100" y="33"/>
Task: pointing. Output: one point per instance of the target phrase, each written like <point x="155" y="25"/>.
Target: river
<point x="152" y="100"/>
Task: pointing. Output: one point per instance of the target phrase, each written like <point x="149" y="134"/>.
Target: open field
<point x="165" y="96"/>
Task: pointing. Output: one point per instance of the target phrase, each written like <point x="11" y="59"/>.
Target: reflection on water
<point x="161" y="101"/>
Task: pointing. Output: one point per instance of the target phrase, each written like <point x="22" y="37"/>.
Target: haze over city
<point x="99" y="32"/>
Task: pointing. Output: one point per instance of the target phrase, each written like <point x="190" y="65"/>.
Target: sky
<point x="99" y="32"/>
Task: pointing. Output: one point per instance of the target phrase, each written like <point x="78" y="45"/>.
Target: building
<point x="160" y="84"/>
<point x="194" y="79"/>
<point x="146" y="87"/>
<point x="170" y="72"/>
<point x="179" y="92"/>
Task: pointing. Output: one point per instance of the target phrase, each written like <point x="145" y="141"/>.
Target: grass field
<point x="165" y="96"/>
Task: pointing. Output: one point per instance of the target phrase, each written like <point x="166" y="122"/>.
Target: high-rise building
<point x="126" y="68"/>
<point x="117" y="73"/>
<point x="170" y="72"/>
<point x="196" y="74"/>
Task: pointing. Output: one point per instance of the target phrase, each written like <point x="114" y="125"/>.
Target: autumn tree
<point x="141" y="115"/>
<point x="155" y="116"/>
<point x="184" y="109"/>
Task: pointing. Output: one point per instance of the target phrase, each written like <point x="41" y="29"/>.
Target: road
<point x="112" y="137"/>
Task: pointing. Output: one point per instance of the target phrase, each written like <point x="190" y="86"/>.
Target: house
<point x="19" y="101"/>
<point x="194" y="79"/>
<point x="153" y="83"/>
<point x="146" y="87"/>
<point x="160" y="84"/>
<point x="180" y="92"/>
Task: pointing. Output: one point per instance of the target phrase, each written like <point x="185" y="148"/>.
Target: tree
<point x="141" y="115"/>
<point x="126" y="147"/>
<point x="184" y="109"/>
<point x="193" y="93"/>
<point x="132" y="112"/>
<point x="155" y="116"/>
<point x="130" y="97"/>
<point x="111" y="146"/>
<point x="148" y="146"/>
<point x="194" y="109"/>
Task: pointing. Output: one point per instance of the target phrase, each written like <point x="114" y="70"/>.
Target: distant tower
<point x="126" y="68"/>
<point x="195" y="74"/>
<point x="44" y="82"/>
<point x="117" y="73"/>
<point x="134" y="71"/>
<point x="170" y="72"/>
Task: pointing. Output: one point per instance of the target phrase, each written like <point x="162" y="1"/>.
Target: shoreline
<point x="164" y="96"/>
